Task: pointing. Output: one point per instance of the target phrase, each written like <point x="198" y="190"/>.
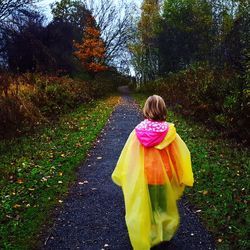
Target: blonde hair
<point x="155" y="108"/>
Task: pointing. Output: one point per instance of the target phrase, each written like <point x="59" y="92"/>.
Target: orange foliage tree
<point x="91" y="50"/>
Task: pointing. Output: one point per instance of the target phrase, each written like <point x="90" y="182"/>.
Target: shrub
<point x="215" y="96"/>
<point x="32" y="97"/>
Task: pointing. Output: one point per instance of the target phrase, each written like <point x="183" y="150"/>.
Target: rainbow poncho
<point x="152" y="170"/>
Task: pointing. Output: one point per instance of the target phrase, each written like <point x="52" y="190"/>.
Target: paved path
<point x="92" y="217"/>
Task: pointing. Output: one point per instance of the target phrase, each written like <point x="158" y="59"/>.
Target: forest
<point x="58" y="88"/>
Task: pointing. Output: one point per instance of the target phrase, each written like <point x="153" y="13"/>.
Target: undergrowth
<point x="221" y="172"/>
<point x="31" y="99"/>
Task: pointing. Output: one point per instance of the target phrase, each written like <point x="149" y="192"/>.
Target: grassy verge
<point x="36" y="171"/>
<point x="221" y="171"/>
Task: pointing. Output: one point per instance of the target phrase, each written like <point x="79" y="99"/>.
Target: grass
<point x="221" y="171"/>
<point x="36" y="171"/>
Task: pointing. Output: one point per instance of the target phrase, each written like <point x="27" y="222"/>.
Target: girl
<point x="153" y="169"/>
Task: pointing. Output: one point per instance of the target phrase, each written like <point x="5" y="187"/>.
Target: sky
<point x="44" y="6"/>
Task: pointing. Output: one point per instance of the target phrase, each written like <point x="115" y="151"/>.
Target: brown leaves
<point x="205" y="192"/>
<point x="16" y="206"/>
<point x="19" y="181"/>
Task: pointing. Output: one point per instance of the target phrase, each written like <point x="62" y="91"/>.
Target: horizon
<point x="44" y="6"/>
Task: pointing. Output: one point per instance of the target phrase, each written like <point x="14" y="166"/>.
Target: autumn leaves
<point x="91" y="50"/>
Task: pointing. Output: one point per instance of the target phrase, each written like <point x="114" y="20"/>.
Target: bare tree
<point x="12" y="15"/>
<point x="8" y="7"/>
<point x="115" y="22"/>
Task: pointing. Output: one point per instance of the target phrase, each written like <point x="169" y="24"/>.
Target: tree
<point x="69" y="20"/>
<point x="8" y="7"/>
<point x="91" y="51"/>
<point x="70" y="11"/>
<point x="25" y="44"/>
<point x="115" y="22"/>
<point x="60" y="36"/>
<point x="144" y="46"/>
<point x="148" y="27"/>
<point x="10" y="10"/>
<point x="187" y="34"/>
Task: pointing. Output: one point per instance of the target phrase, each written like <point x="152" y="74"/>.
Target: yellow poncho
<point x="152" y="180"/>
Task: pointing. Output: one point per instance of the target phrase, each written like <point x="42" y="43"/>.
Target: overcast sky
<point x="44" y="5"/>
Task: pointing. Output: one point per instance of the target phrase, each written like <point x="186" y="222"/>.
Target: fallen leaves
<point x="78" y="144"/>
<point x="198" y="211"/>
<point x="205" y="192"/>
<point x="44" y="179"/>
<point x="83" y="182"/>
<point x="105" y="246"/>
<point x="16" y="206"/>
<point x="19" y="181"/>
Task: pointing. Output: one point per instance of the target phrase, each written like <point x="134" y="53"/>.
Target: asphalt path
<point x="92" y="215"/>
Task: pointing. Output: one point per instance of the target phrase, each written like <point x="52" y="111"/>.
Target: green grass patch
<point x="221" y="171"/>
<point x="36" y="170"/>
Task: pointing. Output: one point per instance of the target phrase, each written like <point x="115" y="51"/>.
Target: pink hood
<point x="151" y="133"/>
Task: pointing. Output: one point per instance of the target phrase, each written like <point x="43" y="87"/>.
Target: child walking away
<point x="153" y="169"/>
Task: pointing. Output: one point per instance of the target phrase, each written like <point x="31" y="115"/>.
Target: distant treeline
<point x="196" y="54"/>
